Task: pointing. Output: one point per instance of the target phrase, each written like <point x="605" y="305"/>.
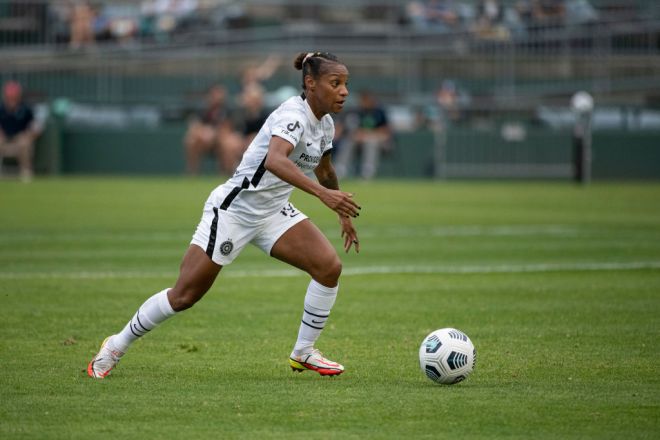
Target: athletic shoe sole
<point x="299" y="367"/>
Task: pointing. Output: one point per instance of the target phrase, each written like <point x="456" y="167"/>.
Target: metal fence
<point x="613" y="51"/>
<point x="618" y="62"/>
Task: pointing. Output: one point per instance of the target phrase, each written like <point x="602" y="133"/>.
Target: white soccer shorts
<point x="223" y="236"/>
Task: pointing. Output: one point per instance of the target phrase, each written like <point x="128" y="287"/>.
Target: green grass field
<point x="558" y="286"/>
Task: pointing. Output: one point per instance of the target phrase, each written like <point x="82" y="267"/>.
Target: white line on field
<point x="356" y="271"/>
<point x="391" y="231"/>
<point x="507" y="268"/>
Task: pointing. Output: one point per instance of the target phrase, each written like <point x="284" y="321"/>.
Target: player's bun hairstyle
<point x="311" y="63"/>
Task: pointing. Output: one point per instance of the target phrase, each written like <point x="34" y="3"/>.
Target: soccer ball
<point x="447" y="356"/>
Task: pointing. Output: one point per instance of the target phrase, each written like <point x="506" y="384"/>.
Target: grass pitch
<point x="558" y="287"/>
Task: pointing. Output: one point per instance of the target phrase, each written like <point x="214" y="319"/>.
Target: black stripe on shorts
<point x="213" y="234"/>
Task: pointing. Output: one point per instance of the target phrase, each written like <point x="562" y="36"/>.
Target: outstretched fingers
<point x="349" y="234"/>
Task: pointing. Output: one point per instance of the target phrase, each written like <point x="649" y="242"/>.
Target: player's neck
<point x="313" y="106"/>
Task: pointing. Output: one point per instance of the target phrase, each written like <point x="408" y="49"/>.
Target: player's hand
<point x="341" y="202"/>
<point x="349" y="234"/>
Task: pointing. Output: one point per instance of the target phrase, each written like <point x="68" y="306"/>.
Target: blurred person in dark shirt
<point x="18" y="130"/>
<point x="366" y="130"/>
<point x="253" y="113"/>
<point x="213" y="132"/>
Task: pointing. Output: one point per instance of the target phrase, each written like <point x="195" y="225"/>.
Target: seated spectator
<point x="448" y="100"/>
<point x="548" y="12"/>
<point x="366" y="130"/>
<point x="524" y="12"/>
<point x="213" y="132"/>
<point x="82" y="25"/>
<point x="434" y="15"/>
<point x="580" y="12"/>
<point x="162" y="17"/>
<point x="517" y="18"/>
<point x="18" y="130"/>
<point x="489" y="24"/>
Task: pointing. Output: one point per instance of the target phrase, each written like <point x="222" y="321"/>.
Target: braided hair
<point x="312" y="63"/>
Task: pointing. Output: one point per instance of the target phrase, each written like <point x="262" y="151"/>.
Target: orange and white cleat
<point x="316" y="362"/>
<point x="103" y="363"/>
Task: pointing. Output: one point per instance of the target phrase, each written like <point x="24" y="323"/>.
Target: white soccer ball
<point x="447" y="356"/>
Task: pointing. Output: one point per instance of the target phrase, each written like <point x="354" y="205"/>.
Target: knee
<point x="183" y="298"/>
<point x="328" y="274"/>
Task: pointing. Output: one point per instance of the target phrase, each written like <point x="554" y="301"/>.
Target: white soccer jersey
<point x="253" y="193"/>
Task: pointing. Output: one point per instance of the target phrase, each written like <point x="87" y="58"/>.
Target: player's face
<point x="330" y="90"/>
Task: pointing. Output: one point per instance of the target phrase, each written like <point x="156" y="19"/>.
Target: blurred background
<point x="469" y="88"/>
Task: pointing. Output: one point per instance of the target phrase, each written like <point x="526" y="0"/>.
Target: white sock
<point x="154" y="311"/>
<point x="318" y="303"/>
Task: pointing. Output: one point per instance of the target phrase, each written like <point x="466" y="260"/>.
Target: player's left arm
<point x="326" y="175"/>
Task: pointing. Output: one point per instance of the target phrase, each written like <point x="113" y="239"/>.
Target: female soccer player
<point x="253" y="207"/>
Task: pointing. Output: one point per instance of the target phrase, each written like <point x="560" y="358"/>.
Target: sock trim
<point x="137" y="317"/>
<point x="164" y="304"/>
<point x="325" y="289"/>
<point x="315" y="314"/>
<point x="310" y="325"/>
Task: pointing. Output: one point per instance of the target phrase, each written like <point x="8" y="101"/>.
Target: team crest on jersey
<point x="226" y="247"/>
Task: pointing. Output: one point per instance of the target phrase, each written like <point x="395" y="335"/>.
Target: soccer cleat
<point x="316" y="362"/>
<point x="103" y="363"/>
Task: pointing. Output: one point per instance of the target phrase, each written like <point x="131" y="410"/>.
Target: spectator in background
<point x="253" y="76"/>
<point x="160" y="18"/>
<point x="449" y="109"/>
<point x="367" y="130"/>
<point x="548" y="12"/>
<point x="517" y="18"/>
<point x="82" y="25"/>
<point x="253" y="114"/>
<point x="251" y="97"/>
<point x="580" y="12"/>
<point x="18" y="130"/>
<point x="489" y="23"/>
<point x="434" y="15"/>
<point x="213" y="132"/>
<point x="448" y="98"/>
<point x="523" y="11"/>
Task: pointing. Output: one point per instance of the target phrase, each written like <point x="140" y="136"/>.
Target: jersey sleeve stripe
<point x="261" y="170"/>
<point x="234" y="192"/>
<point x="259" y="173"/>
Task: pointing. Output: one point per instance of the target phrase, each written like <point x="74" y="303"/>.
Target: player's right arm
<point x="278" y="163"/>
